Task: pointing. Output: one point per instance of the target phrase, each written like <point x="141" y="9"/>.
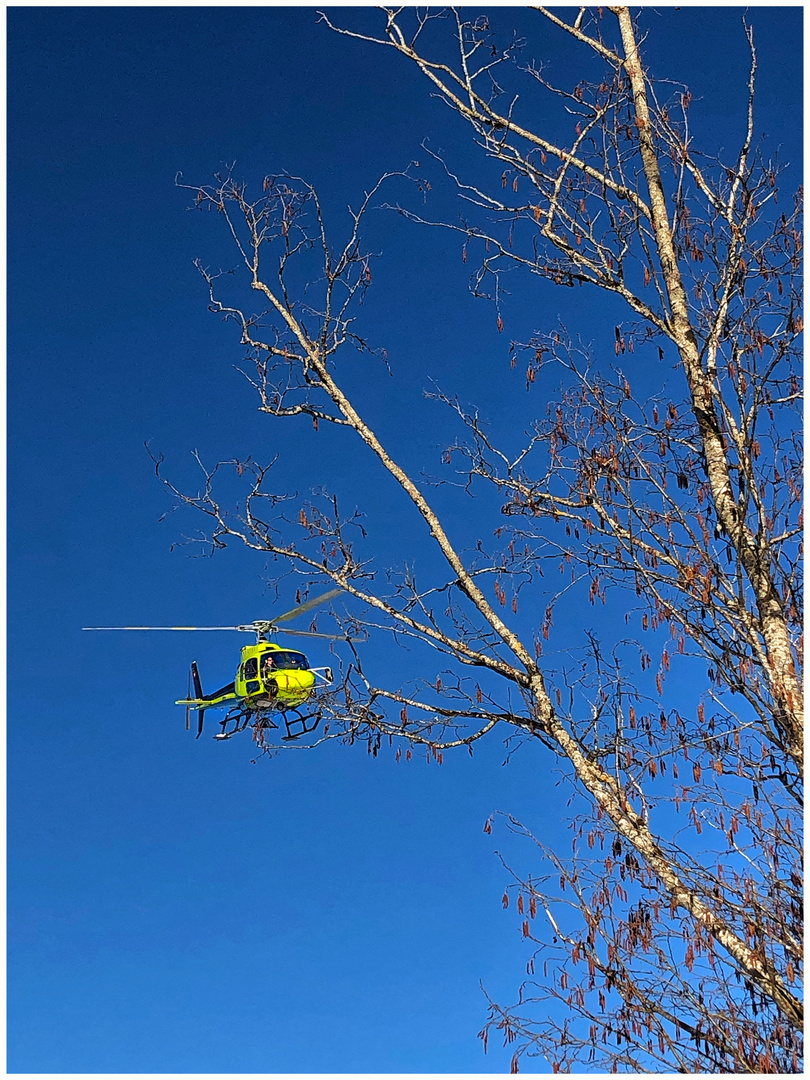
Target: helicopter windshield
<point x="282" y="659"/>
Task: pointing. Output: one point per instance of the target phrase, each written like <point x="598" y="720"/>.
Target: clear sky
<point x="173" y="907"/>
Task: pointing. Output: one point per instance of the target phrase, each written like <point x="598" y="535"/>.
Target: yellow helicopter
<point x="270" y="677"/>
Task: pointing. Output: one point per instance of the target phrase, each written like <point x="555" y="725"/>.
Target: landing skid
<point x="240" y="721"/>
<point x="296" y="725"/>
<point x="302" y="720"/>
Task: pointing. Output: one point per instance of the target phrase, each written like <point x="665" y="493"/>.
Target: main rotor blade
<point x="312" y="633"/>
<point x="167" y="628"/>
<point x="307" y="606"/>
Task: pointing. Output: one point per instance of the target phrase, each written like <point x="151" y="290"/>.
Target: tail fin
<point x="198" y="693"/>
<point x="196" y="677"/>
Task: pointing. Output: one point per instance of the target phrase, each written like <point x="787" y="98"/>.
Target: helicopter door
<point x="252" y="684"/>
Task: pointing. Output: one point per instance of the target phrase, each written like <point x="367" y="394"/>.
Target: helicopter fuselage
<point x="270" y="676"/>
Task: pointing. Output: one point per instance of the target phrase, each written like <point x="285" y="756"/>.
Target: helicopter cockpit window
<point x="284" y="660"/>
<point x="251" y="668"/>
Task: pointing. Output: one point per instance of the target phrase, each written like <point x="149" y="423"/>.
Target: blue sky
<point x="173" y="907"/>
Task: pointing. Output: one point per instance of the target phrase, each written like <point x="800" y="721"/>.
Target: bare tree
<point x="672" y="933"/>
